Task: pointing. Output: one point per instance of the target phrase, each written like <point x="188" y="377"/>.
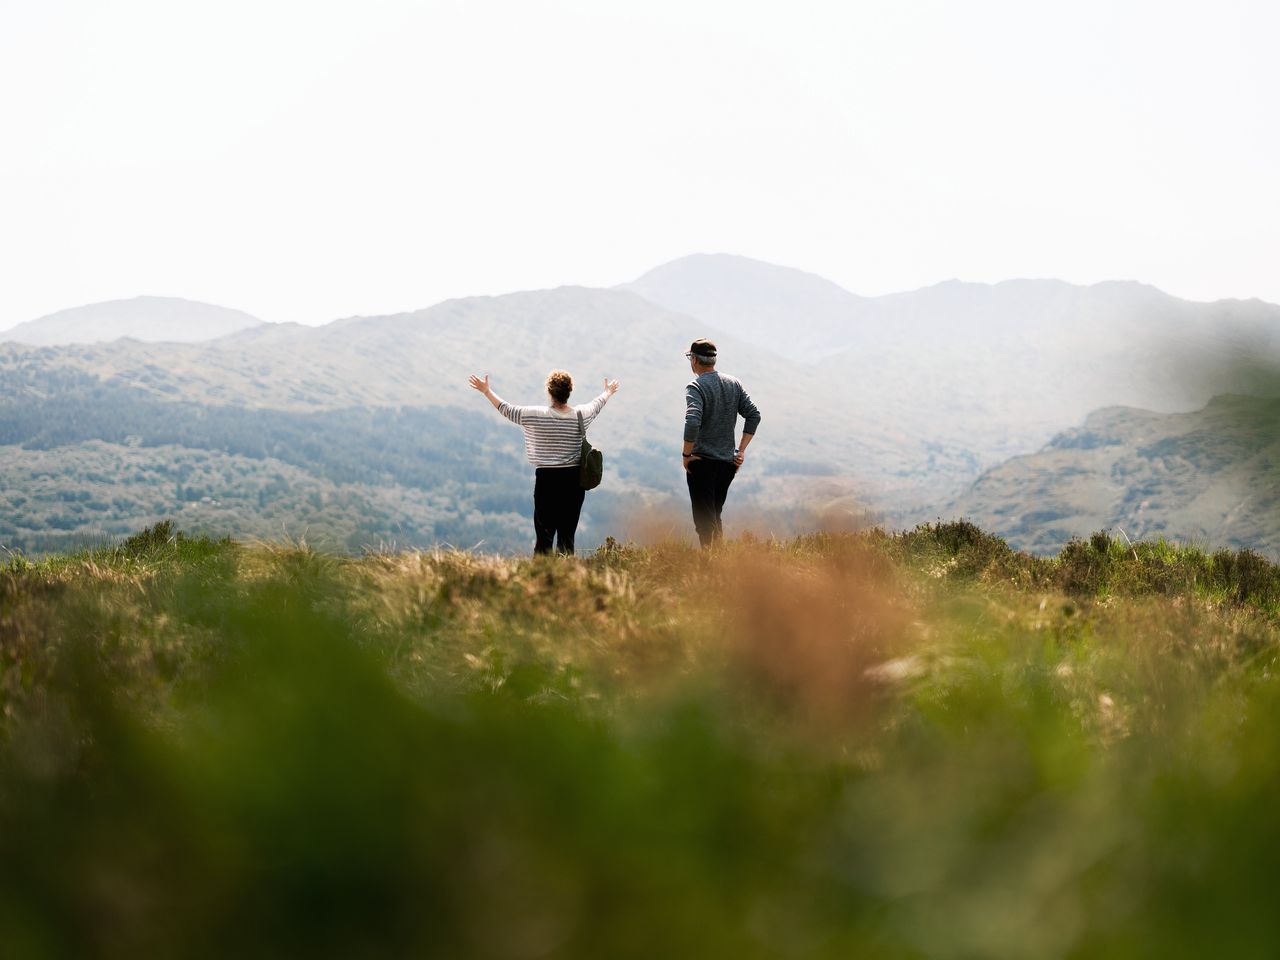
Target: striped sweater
<point x="551" y="438"/>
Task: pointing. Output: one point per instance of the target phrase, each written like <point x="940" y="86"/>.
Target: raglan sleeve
<point x="512" y="412"/>
<point x="592" y="410"/>
<point x="692" y="412"/>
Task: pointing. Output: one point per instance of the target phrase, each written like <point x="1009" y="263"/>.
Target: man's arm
<point x="692" y="421"/>
<point x="687" y="456"/>
<point x="751" y="416"/>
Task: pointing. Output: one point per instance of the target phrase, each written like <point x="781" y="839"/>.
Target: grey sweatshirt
<point x="713" y="402"/>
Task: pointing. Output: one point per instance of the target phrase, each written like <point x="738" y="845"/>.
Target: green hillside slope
<point x="1212" y="476"/>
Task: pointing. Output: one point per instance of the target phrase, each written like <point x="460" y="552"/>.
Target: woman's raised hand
<point x="610" y="386"/>
<point x="483" y="387"/>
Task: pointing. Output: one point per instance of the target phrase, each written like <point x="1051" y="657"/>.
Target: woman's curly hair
<point x="559" y="385"/>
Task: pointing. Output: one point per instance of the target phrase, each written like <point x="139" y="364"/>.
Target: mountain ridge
<point x="943" y="385"/>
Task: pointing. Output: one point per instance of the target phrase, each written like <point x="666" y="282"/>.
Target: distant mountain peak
<point x="145" y="318"/>
<point x="789" y="311"/>
<point x="711" y="267"/>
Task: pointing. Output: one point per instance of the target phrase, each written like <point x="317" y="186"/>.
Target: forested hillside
<point x="383" y="439"/>
<point x="94" y="459"/>
<point x="86" y="460"/>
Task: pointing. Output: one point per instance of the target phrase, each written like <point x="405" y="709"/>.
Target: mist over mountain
<point x="168" y="319"/>
<point x="997" y="369"/>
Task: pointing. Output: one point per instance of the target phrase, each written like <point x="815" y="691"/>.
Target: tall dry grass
<point x="893" y="745"/>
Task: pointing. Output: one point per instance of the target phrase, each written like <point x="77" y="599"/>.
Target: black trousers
<point x="708" y="486"/>
<point x="557" y="504"/>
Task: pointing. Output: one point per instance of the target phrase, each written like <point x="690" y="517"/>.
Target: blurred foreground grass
<point x="883" y="746"/>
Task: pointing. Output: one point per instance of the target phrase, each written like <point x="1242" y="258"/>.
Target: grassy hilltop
<point x="907" y="745"/>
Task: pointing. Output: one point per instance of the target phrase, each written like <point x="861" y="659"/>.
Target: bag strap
<point x="581" y="429"/>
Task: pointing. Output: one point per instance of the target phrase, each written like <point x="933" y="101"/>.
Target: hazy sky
<point x="309" y="160"/>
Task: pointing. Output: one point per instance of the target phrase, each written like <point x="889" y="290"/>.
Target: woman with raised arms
<point x="553" y="442"/>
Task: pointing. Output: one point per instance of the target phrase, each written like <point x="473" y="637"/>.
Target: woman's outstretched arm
<point x="483" y="387"/>
<point x="509" y="410"/>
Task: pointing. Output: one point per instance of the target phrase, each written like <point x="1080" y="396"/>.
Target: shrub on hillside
<point x="1083" y="565"/>
<point x="1246" y="575"/>
<point x="150" y="539"/>
<point x="1103" y="565"/>
<point x="966" y="551"/>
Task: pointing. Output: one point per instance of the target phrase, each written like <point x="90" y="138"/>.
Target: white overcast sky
<point x="308" y="160"/>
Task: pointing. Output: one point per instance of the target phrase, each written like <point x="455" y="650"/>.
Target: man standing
<point x="713" y="402"/>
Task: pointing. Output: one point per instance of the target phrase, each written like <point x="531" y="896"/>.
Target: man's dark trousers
<point x="708" y="486"/>
<point x="557" y="504"/>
